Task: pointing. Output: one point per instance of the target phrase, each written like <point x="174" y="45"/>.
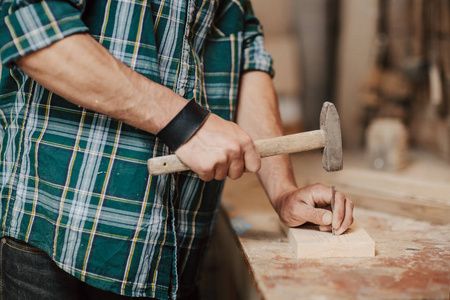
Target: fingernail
<point x="340" y="231"/>
<point x="326" y="219"/>
<point x="323" y="228"/>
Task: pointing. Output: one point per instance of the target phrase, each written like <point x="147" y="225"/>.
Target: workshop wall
<point x="374" y="59"/>
<point x="283" y="43"/>
<point x="394" y="65"/>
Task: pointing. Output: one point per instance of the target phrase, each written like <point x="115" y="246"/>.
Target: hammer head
<point x="331" y="125"/>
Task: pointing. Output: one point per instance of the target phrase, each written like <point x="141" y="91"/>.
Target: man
<point x="89" y="91"/>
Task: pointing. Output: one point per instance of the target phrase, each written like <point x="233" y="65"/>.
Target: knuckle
<point x="222" y="159"/>
<point x="220" y="177"/>
<point x="315" y="216"/>
<point x="316" y="185"/>
<point x="206" y="177"/>
<point x="206" y="168"/>
<point x="235" y="149"/>
<point x="246" y="140"/>
<point x="286" y="219"/>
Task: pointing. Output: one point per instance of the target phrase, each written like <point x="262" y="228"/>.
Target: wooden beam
<point x="308" y="242"/>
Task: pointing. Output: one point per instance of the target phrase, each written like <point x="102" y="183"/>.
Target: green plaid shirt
<point x="74" y="182"/>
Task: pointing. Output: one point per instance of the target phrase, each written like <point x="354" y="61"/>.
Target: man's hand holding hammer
<point x="229" y="155"/>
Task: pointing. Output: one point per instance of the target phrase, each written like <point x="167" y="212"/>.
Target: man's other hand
<point x="313" y="204"/>
<point x="219" y="149"/>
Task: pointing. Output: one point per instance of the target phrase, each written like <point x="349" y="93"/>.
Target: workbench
<point x="412" y="258"/>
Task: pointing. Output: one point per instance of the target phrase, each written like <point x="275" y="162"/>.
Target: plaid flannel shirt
<point x="74" y="182"/>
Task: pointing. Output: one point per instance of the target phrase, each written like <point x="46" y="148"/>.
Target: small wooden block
<point x="309" y="242"/>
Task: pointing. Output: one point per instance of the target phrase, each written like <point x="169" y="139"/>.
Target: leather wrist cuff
<point x="185" y="124"/>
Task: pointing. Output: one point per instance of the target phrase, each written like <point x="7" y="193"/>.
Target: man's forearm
<point x="258" y="114"/>
<point x="82" y="71"/>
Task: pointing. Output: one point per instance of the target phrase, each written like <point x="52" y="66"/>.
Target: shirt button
<point x="188" y="31"/>
<point x="182" y="92"/>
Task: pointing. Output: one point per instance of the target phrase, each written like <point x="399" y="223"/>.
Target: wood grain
<point x="308" y="242"/>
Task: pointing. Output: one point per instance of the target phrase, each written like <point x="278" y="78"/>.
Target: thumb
<point x="316" y="215"/>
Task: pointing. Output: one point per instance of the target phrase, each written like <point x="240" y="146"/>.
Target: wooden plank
<point x="396" y="195"/>
<point x="308" y="242"/>
<point x="411" y="207"/>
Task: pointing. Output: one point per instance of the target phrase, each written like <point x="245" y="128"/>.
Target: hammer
<point x="328" y="138"/>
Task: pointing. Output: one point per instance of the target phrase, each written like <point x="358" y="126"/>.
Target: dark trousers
<point x="28" y="273"/>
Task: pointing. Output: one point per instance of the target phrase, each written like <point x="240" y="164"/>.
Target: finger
<point x="339" y="209"/>
<point x="326" y="228"/>
<point x="314" y="215"/>
<point x="205" y="176"/>
<point x="221" y="171"/>
<point x="236" y="169"/>
<point x="252" y="159"/>
<point x="348" y="220"/>
<point x="320" y="194"/>
<point x="206" y="171"/>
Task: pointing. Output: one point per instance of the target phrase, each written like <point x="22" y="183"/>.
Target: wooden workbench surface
<point x="412" y="257"/>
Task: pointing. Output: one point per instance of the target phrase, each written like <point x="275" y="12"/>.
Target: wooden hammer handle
<point x="293" y="143"/>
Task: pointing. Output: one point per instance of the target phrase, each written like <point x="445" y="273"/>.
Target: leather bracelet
<point x="185" y="124"/>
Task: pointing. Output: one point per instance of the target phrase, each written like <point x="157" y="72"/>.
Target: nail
<point x="326" y="219"/>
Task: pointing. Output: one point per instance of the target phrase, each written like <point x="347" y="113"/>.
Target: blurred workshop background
<point x="386" y="66"/>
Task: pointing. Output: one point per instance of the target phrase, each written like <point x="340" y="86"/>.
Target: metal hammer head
<point x="331" y="125"/>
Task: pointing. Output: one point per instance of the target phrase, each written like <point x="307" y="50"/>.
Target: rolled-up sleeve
<point x="28" y="27"/>
<point x="255" y="56"/>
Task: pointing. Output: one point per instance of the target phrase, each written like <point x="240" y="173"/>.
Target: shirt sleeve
<point x="255" y="56"/>
<point x="27" y="26"/>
